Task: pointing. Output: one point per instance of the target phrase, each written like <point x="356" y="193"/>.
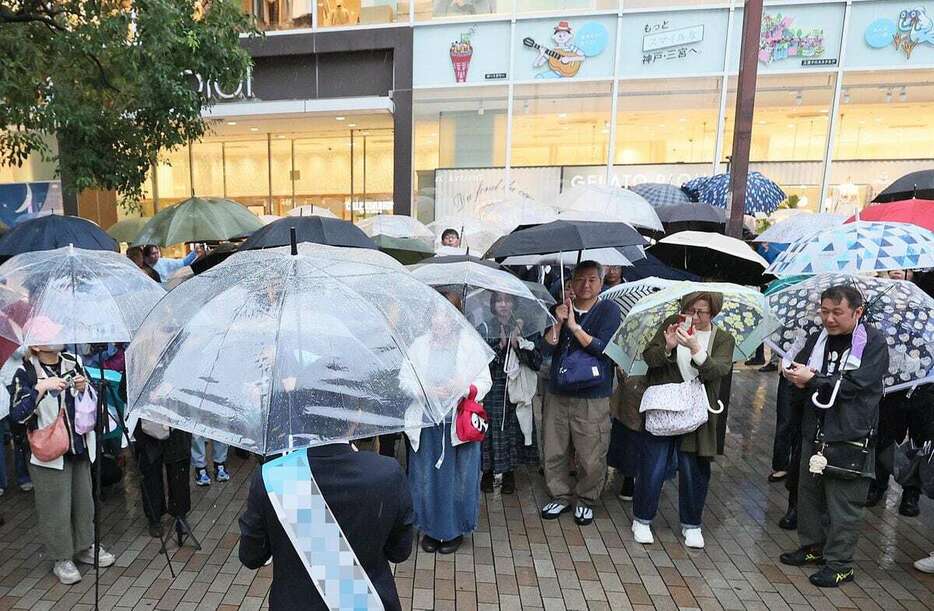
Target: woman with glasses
<point x="684" y="348"/>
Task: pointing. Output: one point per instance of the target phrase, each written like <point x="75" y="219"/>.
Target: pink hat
<point x="563" y="26"/>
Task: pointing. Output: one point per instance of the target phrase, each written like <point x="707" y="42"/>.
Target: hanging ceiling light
<point x="903" y="94"/>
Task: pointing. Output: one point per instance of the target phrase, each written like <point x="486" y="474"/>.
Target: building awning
<point x="257" y="108"/>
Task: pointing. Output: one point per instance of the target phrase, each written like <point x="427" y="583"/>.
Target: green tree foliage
<point x="112" y="80"/>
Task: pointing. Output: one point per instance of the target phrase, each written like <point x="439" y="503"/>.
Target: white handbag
<point x="675" y="409"/>
<point x="154" y="429"/>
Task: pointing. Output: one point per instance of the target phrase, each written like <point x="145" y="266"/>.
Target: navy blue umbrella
<point x="762" y="194"/>
<point x="652" y="266"/>
<point x="661" y="194"/>
<point x="54" y="231"/>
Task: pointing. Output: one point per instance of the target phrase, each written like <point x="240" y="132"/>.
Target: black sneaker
<point x="789" y="521"/>
<point x="430" y="544"/>
<point x="909" y="505"/>
<point x="628" y="489"/>
<point x="769" y="367"/>
<point x="508" y="485"/>
<point x="486" y="482"/>
<point x="876" y="494"/>
<point x="802" y="556"/>
<point x="829" y="578"/>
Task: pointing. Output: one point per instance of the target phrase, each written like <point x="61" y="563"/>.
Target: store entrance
<point x="342" y="163"/>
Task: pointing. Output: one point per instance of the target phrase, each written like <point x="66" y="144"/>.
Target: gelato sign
<point x="913" y="28"/>
<point x="460" y="53"/>
<point x="780" y="40"/>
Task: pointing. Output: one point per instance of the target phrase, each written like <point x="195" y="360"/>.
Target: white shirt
<point x="684" y="357"/>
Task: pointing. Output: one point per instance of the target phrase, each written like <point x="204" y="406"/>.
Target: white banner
<point x="460" y="192"/>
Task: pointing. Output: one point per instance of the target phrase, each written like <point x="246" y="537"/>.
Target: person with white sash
<point x="838" y="376"/>
<point x="286" y="519"/>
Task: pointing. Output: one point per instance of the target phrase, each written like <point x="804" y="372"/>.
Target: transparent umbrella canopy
<point x="73" y="296"/>
<point x="271" y="350"/>
<point x="480" y="281"/>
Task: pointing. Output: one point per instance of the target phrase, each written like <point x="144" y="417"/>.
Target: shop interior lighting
<point x="846" y="96"/>
<point x="351" y="125"/>
<point x="481" y="110"/>
<point x="254" y="129"/>
<point x="231" y="123"/>
<point x="339" y="118"/>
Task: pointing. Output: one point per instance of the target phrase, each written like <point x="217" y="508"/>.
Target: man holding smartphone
<point x="838" y="382"/>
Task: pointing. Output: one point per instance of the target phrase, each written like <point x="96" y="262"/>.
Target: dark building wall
<point x="344" y="64"/>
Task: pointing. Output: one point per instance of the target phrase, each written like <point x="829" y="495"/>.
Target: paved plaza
<point x="514" y="560"/>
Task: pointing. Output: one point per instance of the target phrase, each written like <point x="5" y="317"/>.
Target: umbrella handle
<point x="716" y="411"/>
<point x="831" y="401"/>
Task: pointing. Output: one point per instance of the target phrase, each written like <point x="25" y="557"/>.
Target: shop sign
<point x="566" y="48"/>
<point x="465" y="191"/>
<point x="794" y="38"/>
<point x="676" y="42"/>
<point x="211" y="90"/>
<point x="889" y="33"/>
<point x="781" y="40"/>
<point x="460" y="53"/>
<point x="913" y="28"/>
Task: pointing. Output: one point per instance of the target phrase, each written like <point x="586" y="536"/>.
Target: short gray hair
<point x="583" y="265"/>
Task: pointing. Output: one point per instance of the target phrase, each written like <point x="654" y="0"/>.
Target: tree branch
<point x="46" y="17"/>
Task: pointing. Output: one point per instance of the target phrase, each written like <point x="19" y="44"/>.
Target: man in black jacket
<point x="838" y="376"/>
<point x="369" y="497"/>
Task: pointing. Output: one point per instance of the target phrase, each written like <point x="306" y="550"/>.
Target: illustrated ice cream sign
<point x="913" y="28"/>
<point x="461" y="52"/>
<point x="780" y="40"/>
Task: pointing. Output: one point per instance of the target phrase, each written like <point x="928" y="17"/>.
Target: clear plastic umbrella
<point x="475" y="234"/>
<point x="607" y="203"/>
<point x="481" y="281"/>
<point x="396" y="226"/>
<point x="73" y="296"/>
<point x="309" y="210"/>
<point x="271" y="350"/>
<point x="507" y="214"/>
<point x="799" y="226"/>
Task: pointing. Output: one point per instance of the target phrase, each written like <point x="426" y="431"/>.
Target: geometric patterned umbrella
<point x="898" y="308"/>
<point x="661" y="193"/>
<point x="628" y="294"/>
<point x="799" y="226"/>
<point x="744" y="315"/>
<point x="762" y="195"/>
<point x="856" y="248"/>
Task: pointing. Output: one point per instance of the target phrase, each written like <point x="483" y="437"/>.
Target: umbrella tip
<point x="293" y="240"/>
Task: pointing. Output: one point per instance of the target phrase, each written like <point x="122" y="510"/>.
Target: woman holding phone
<point x="686" y="347"/>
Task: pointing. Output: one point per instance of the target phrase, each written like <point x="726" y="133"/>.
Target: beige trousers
<point x="584" y="425"/>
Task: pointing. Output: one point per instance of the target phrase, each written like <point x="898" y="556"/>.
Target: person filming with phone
<point x="687" y="359"/>
<point x="838" y="382"/>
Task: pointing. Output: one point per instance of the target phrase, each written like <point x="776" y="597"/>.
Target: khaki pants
<point x="64" y="507"/>
<point x="583" y="424"/>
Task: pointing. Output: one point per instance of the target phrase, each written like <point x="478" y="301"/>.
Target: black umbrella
<point x="710" y="264"/>
<point x="651" y="266"/>
<point x="919" y="185"/>
<point x="54" y="231"/>
<point x="564" y="236"/>
<point x="687" y="213"/>
<point x="315" y="229"/>
<point x="218" y="254"/>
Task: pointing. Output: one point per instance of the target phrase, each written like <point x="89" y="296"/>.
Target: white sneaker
<point x="87" y="557"/>
<point x="926" y="565"/>
<point x="642" y="533"/>
<point x="67" y="572"/>
<point x="693" y="538"/>
<point x="554" y="509"/>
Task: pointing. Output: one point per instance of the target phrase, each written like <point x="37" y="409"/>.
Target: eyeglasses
<point x="698" y="312"/>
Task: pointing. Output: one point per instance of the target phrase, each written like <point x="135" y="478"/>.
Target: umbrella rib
<point x="274" y="370"/>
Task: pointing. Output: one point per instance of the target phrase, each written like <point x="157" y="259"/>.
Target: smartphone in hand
<point x="687" y="323"/>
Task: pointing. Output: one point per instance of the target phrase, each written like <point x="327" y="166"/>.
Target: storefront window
<point x="344" y="13"/>
<point x="174" y="177"/>
<point x="667" y="121"/>
<point x="551" y="6"/>
<point x="322" y="166"/>
<point x="373" y="170"/>
<point x="642" y="4"/>
<point x="884" y="128"/>
<point x="281" y="14"/>
<point x="559" y="124"/>
<point x="426" y="10"/>
<point x="460" y="147"/>
<point x="208" y="171"/>
<point x="791" y="124"/>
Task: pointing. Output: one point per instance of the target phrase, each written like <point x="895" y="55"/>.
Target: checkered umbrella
<point x="744" y="315"/>
<point x="693" y="187"/>
<point x="858" y="248"/>
<point x="799" y="226"/>
<point x="628" y="294"/>
<point x="899" y="309"/>
<point x="762" y="195"/>
<point x="661" y="193"/>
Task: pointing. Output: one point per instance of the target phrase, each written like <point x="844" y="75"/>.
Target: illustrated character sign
<point x="913" y="28"/>
<point x="570" y="51"/>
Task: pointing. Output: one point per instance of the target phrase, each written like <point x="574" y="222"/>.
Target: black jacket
<point x="856" y="410"/>
<point x="369" y="497"/>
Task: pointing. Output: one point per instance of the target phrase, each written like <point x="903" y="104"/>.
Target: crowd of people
<point x="580" y="416"/>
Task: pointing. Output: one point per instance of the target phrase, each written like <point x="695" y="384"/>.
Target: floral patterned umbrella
<point x="744" y="315"/>
<point x="900" y="309"/>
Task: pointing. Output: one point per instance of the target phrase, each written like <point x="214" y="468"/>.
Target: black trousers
<point x="787" y="428"/>
<point x="901" y="416"/>
<point x="155" y="485"/>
